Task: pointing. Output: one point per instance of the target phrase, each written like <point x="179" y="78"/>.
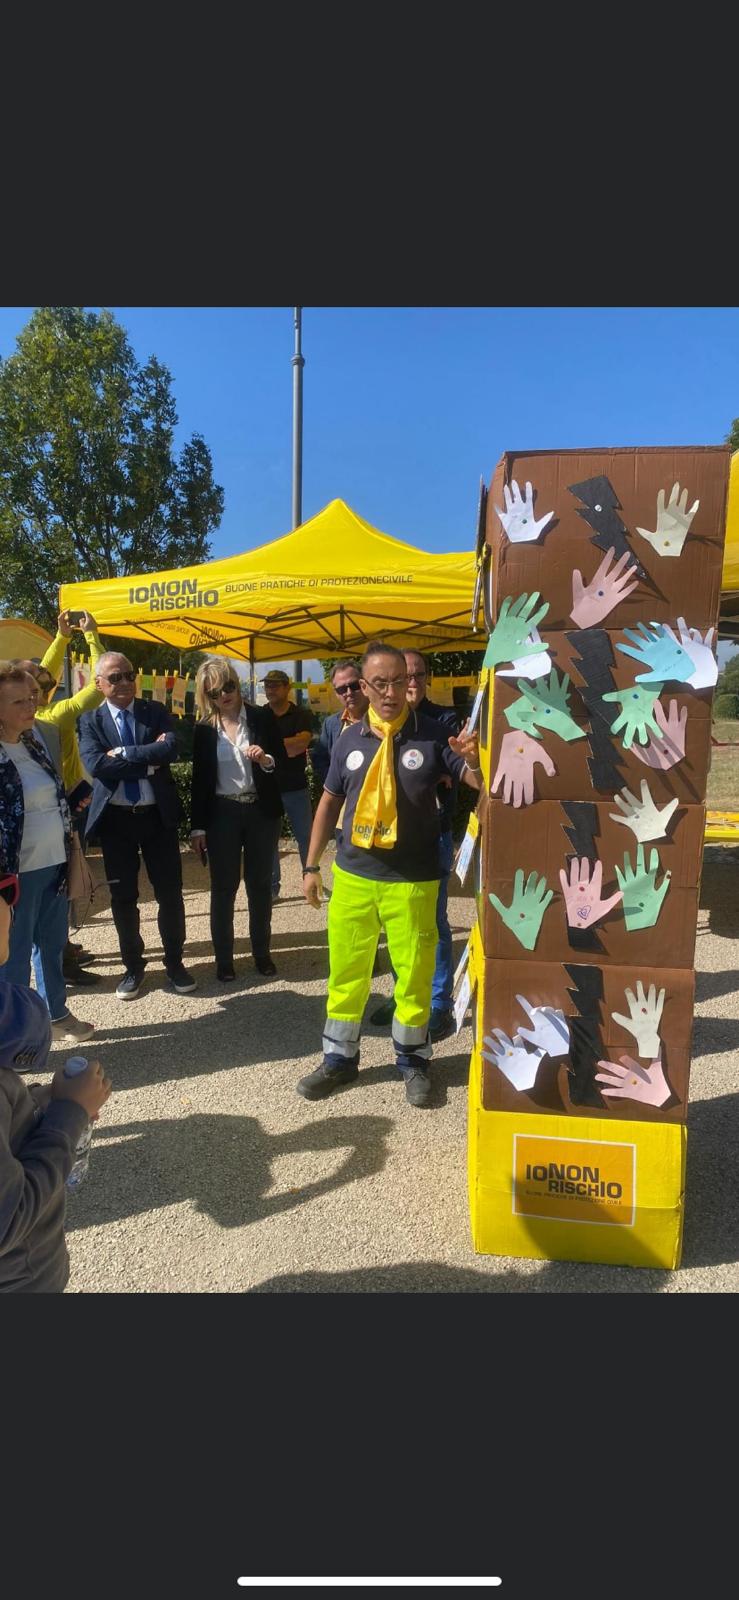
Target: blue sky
<point x="405" y="408"/>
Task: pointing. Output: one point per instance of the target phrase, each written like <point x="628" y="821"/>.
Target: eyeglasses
<point x="226" y="688"/>
<point x="347" y="688"/>
<point x="10" y="889"/>
<point x="414" y="676"/>
<point x="121" y="677"/>
<point x="381" y="684"/>
<point x="45" y="682"/>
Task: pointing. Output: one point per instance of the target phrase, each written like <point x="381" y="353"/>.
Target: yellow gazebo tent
<point x="318" y="591"/>
<point x="730" y="576"/>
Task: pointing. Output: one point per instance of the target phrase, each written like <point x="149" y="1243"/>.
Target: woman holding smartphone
<point x="236" y="811"/>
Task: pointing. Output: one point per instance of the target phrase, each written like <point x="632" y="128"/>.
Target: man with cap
<point x="40" y="1129"/>
<point x="385" y="772"/>
<point x="295" y="727"/>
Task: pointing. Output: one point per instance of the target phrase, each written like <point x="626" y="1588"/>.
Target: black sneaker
<point x="77" y="977"/>
<point x="417" y="1086"/>
<point x="266" y="966"/>
<point x="441" y="1025"/>
<point x="225" y="974"/>
<point x="130" y="985"/>
<point x="325" y="1079"/>
<point x="182" y="981"/>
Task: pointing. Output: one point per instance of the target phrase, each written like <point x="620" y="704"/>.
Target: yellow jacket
<point x="64" y="713"/>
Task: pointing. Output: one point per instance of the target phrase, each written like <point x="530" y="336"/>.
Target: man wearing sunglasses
<point x="40" y="1128"/>
<point x="294" y="724"/>
<point x="345" y="677"/>
<point x="128" y="747"/>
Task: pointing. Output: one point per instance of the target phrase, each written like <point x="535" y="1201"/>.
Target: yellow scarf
<point x="376" y="814"/>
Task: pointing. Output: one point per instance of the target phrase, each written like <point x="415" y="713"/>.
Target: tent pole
<point x="252" y="679"/>
<point x="297" y="365"/>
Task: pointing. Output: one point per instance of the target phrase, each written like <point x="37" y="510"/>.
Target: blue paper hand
<point x="655" y="649"/>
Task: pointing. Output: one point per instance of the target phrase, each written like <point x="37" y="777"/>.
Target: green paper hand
<point x="524" y="914"/>
<point x="637" y="712"/>
<point x="545" y="705"/>
<point x="642" y="899"/>
<point x="512" y="630"/>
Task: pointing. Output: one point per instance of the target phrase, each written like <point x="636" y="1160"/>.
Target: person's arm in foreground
<point x="324" y="824"/>
<point x="29" y="1179"/>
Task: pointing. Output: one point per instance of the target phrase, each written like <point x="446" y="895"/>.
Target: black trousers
<point x="238" y="829"/>
<point x="123" y="834"/>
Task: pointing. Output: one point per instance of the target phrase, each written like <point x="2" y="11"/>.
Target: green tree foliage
<point x="732" y="436"/>
<point x="728" y="682"/>
<point x="90" y="486"/>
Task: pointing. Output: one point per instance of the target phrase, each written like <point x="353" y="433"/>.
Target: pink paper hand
<point x="592" y="602"/>
<point x="661" y="754"/>
<point x="582" y="896"/>
<point x="630" y="1081"/>
<point x="518" y="756"/>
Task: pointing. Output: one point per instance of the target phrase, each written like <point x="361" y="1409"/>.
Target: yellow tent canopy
<point x="20" y="638"/>
<point x="321" y="590"/>
<point x="730" y="575"/>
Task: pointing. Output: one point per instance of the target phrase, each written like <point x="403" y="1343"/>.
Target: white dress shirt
<point x="119" y="797"/>
<point x="235" y="775"/>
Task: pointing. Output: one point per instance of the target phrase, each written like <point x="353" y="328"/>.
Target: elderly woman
<point x="236" y="811"/>
<point x="35" y="834"/>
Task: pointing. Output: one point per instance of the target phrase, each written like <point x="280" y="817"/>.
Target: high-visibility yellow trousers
<point x="358" y="910"/>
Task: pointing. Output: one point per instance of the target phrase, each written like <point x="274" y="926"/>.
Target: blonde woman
<point x="236" y="811"/>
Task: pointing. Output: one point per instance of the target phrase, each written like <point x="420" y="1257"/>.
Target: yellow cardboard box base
<point x="563" y="1189"/>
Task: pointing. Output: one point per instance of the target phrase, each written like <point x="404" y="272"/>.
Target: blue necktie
<point x="131" y="786"/>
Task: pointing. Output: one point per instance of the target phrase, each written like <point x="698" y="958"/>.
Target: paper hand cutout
<point x="529" y="666"/>
<point x="642" y="898"/>
<point x="518" y="757"/>
<point x="545" y="706"/>
<point x="665" y="658"/>
<point x="518" y="518"/>
<point x="643" y="816"/>
<point x="524" y="914"/>
<point x="582" y="895"/>
<point x="517" y="1064"/>
<point x="629" y="1081"/>
<point x="673" y="522"/>
<point x="665" y="751"/>
<point x="637" y="712"/>
<point x="643" y="1020"/>
<point x="514" y="625"/>
<point x="705" y="665"/>
<point x="548" y="1032"/>
<point x="593" y="601"/>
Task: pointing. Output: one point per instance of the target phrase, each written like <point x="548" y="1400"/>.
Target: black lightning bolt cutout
<point x="586" y="1046"/>
<point x="599" y="510"/>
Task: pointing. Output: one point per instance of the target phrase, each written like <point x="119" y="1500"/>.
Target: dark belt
<point x="241" y="799"/>
<point x="150" y="805"/>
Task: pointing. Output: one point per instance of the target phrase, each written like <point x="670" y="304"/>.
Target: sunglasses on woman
<point x="226" y="688"/>
<point x="10" y="889"/>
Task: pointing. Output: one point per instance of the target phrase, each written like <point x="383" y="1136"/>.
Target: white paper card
<point x="462" y="1000"/>
<point x="464" y="856"/>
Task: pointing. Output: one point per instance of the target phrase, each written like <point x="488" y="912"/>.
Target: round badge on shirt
<point x="354" y="760"/>
<point x="412" y="759"/>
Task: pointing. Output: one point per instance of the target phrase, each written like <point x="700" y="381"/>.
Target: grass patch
<point x="723" y="778"/>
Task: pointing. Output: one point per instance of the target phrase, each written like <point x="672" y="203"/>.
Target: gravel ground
<point x="209" y="1173"/>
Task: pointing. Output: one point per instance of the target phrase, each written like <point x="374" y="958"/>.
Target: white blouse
<point x="235" y="775"/>
<point x="43" y="829"/>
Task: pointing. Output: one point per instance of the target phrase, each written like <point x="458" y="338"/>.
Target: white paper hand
<point x="528" y="666"/>
<point x="628" y="1081"/>
<point x="673" y="522"/>
<point x="643" y="816"/>
<point x="701" y="654"/>
<point x="643" y="1019"/>
<point x="548" y="1032"/>
<point x="516" y="1063"/>
<point x="518" y="518"/>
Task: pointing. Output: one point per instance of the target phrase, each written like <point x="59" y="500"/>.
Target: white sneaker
<point x="71" y="1028"/>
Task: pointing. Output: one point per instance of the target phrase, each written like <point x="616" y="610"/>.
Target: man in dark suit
<point x="127" y="746"/>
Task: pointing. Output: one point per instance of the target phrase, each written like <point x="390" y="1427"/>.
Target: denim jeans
<point x="300" y="816"/>
<point x="441" y="990"/>
<point x="42" y="919"/>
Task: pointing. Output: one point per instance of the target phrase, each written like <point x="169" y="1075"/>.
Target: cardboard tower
<point x="602" y="575"/>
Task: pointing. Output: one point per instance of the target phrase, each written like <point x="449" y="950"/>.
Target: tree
<point x="732" y="436"/>
<point x="89" y="484"/>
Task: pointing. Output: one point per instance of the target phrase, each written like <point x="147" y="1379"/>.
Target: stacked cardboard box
<point x="578" y="1101"/>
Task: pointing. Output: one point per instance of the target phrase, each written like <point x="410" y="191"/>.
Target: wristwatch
<point x="310" y="869"/>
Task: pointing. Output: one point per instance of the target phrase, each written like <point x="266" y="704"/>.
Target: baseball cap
<point x="25" y="1029"/>
<point x="276" y="676"/>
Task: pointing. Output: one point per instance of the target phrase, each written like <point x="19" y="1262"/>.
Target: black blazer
<point x="205" y="767"/>
<point x="99" y="734"/>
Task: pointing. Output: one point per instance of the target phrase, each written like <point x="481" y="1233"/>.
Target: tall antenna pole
<point x="297" y="365"/>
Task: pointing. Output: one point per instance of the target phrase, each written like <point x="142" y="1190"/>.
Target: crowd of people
<point x="390" y="761"/>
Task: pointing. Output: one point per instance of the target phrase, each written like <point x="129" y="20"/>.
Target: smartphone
<point x="75" y="618"/>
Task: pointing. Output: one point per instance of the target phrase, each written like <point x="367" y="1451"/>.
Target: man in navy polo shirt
<point x="384" y="771"/>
